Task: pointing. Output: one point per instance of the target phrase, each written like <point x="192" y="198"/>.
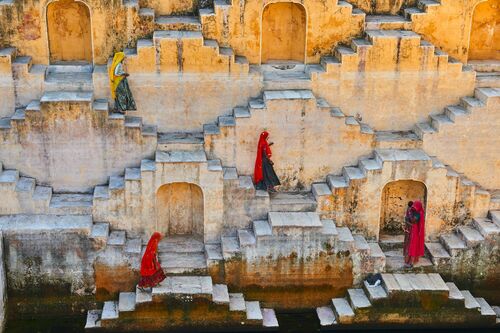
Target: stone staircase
<point x="354" y="182"/>
<point x="196" y="297"/>
<point x="423" y="7"/>
<point x="376" y="304"/>
<point x="456" y="113"/>
<point x="453" y="246"/>
<point x="301" y="235"/>
<point x="378" y="44"/>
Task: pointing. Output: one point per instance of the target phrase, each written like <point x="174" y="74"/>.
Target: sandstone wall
<point x="44" y="255"/>
<point x="71" y="146"/>
<point x="239" y="26"/>
<point x="448" y="26"/>
<point x="391" y="7"/>
<point x="394" y="100"/>
<point x="3" y="287"/>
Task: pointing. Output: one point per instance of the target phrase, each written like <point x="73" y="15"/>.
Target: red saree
<point x="417" y="232"/>
<point x="263" y="147"/>
<point x="151" y="271"/>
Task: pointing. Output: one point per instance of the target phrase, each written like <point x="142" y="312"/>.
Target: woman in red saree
<point x="417" y="234"/>
<point x="151" y="271"/>
<point x="264" y="176"/>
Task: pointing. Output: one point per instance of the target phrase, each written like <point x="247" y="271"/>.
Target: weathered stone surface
<point x="470" y="301"/>
<point x="375" y="293"/>
<point x="93" y="319"/>
<point x="145" y="296"/>
<point x="269" y="318"/>
<point x="126" y="302"/>
<point x="343" y="311"/>
<point x="110" y="310"/>
<point x="253" y="310"/>
<point x="358" y="299"/>
<point x="185" y="285"/>
<point x="486" y="309"/>
<point x="117" y="238"/>
<point x="39" y="223"/>
<point x="455" y="293"/>
<point x="326" y="316"/>
<point x="220" y="294"/>
<point x="237" y="302"/>
<point x="294" y="220"/>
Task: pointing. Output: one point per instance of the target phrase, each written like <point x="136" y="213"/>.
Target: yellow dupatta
<point x="114" y="80"/>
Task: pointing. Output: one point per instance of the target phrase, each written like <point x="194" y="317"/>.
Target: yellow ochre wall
<point x="485" y="32"/>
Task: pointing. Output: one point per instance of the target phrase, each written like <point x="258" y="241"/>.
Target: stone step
<point x="41" y="197"/>
<point x="181" y="23"/>
<point x="269" y="318"/>
<point x="455" y="293"/>
<point x="375" y="293"/>
<point x="326" y="316"/>
<point x="181" y="244"/>
<point x="100" y="231"/>
<point x="70" y="204"/>
<point x="387" y="22"/>
<point x="253" y="311"/>
<point x="271" y="95"/>
<point x="26" y="185"/>
<point x="230" y="247"/>
<point x="182" y="263"/>
<point x="495" y="217"/>
<point x="181" y="156"/>
<point x="9" y="178"/>
<point x="397" y="139"/>
<point x="213" y="253"/>
<point x="110" y="310"/>
<point x="469" y="235"/>
<point x="342" y="310"/>
<point x="486" y="309"/>
<point x="246" y="238"/>
<point x="288" y="222"/>
<point x="133" y="246"/>
<point x="93" y="319"/>
<point x="453" y="244"/>
<point x="141" y="296"/>
<point x="486" y="227"/>
<point x="437" y="253"/>
<point x="293" y="202"/>
<point x="117" y="238"/>
<point x="68" y="81"/>
<point x="126" y="302"/>
<point x="261" y="228"/>
<point x="67" y="96"/>
<point x="391" y="242"/>
<point x="470" y="301"/>
<point x="237" y="302"/>
<point x="220" y="294"/>
<point x="361" y="245"/>
<point x="196" y="286"/>
<point x="358" y="299"/>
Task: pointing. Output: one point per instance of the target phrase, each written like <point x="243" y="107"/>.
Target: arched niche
<point x="283" y="32"/>
<point x="485" y="32"/>
<point x="69" y="31"/>
<point x="395" y="198"/>
<point x="179" y="209"/>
